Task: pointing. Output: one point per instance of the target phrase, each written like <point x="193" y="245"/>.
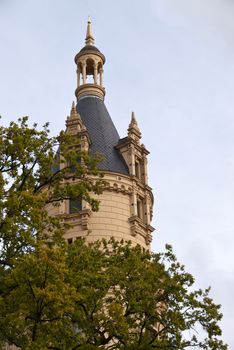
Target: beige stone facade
<point x="126" y="205"/>
<point x="118" y="214"/>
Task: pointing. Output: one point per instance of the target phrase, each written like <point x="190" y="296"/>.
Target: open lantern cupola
<point x="89" y="62"/>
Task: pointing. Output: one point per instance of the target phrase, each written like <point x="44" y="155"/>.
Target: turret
<point x="126" y="203"/>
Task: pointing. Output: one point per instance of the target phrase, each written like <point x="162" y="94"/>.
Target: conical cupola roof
<point x="102" y="132"/>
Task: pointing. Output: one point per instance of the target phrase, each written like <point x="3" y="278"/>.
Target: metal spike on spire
<point x="89" y="40"/>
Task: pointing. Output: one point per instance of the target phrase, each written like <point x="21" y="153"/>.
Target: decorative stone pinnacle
<point x="74" y="114"/>
<point x="133" y="120"/>
<point x="74" y="122"/>
<point x="133" y="129"/>
<point x="89" y="40"/>
<point x="73" y="110"/>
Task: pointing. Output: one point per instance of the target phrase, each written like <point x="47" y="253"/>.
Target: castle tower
<point x="126" y="204"/>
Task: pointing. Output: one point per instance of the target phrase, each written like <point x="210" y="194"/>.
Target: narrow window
<point x="140" y="209"/>
<point x="138" y="169"/>
<point x="75" y="205"/>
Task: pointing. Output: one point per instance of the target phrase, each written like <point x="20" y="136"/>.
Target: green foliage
<point x="35" y="170"/>
<point x="107" y="295"/>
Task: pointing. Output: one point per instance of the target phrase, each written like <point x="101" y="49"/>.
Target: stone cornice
<point x="139" y="227"/>
<point x="90" y="89"/>
<point x="126" y="141"/>
<point x="79" y="218"/>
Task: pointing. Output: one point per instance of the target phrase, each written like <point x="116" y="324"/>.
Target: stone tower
<point x="126" y="205"/>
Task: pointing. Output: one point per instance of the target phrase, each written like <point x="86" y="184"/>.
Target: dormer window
<point x="75" y="205"/>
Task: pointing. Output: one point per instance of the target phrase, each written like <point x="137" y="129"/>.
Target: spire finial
<point x="133" y="119"/>
<point x="89" y="40"/>
<point x="73" y="108"/>
<point x="133" y="129"/>
<point x="73" y="113"/>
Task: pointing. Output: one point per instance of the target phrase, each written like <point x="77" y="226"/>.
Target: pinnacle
<point x="73" y="109"/>
<point x="73" y="105"/>
<point x="133" y="129"/>
<point x="89" y="40"/>
<point x="133" y="119"/>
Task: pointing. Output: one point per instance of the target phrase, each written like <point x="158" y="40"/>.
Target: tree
<point x="105" y="296"/>
<point x="108" y="295"/>
<point x="35" y="170"/>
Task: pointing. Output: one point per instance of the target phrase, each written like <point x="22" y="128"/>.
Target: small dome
<point x="89" y="48"/>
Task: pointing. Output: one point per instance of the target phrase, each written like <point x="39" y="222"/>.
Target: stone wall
<point x="118" y="214"/>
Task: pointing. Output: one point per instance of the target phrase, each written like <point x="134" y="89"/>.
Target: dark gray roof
<point x="89" y="48"/>
<point x="103" y="134"/>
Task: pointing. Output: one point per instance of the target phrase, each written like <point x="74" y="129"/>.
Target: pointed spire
<point x="75" y="127"/>
<point x="133" y="120"/>
<point x="73" y="108"/>
<point x="74" y="115"/>
<point x="74" y="122"/>
<point x="89" y="40"/>
<point x="133" y="129"/>
<point x="73" y="112"/>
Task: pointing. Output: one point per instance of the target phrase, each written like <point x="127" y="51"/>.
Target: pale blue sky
<point x="172" y="62"/>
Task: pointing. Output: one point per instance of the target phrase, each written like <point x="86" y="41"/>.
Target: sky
<point x="172" y="63"/>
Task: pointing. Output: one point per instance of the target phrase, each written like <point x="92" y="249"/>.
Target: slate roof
<point x="103" y="134"/>
<point x="89" y="48"/>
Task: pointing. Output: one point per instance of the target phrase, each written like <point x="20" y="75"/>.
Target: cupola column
<point x="84" y="72"/>
<point x="78" y="76"/>
<point x="101" y="77"/>
<point x="95" y="75"/>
